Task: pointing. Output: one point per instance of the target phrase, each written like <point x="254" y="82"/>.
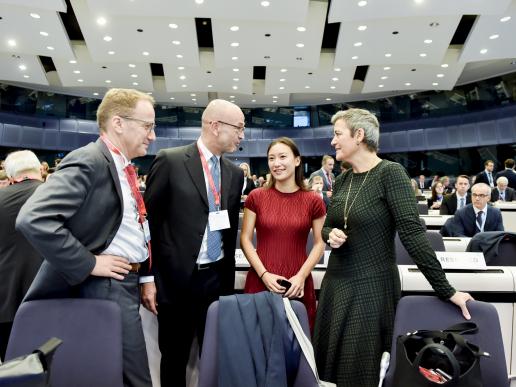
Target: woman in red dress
<point x="283" y="214"/>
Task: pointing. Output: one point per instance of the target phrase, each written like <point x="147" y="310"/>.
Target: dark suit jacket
<point x="510" y="175"/>
<point x="482" y="178"/>
<point x="449" y="204"/>
<point x="320" y="172"/>
<point x="177" y="205"/>
<point x="249" y="186"/>
<point x="465" y="221"/>
<point x="510" y="194"/>
<point x="72" y="217"/>
<point x="19" y="262"/>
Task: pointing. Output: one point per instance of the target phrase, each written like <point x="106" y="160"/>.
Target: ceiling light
<point x="235" y="87"/>
<point x="265" y="3"/>
<point x="107" y="81"/>
<point x="172" y="98"/>
<point x="483" y="51"/>
<point x="388" y="55"/>
<point x="108" y="38"/>
<point x="427" y="41"/>
<point x="384" y="77"/>
<point x="173" y="25"/>
<point x="111" y="52"/>
<point x="183" y="86"/>
<point x="210" y="86"/>
<point x="505" y="19"/>
<point x="181" y="68"/>
<point x="199" y="1"/>
<point x="307" y="87"/>
<point x="435" y="84"/>
<point x="440" y="75"/>
<point x="283" y="70"/>
<point x="50" y="48"/>
<point x="282" y="88"/>
<point x="22" y="67"/>
<point x="357" y="44"/>
<point x="76" y="72"/>
<point x="236" y="79"/>
<point x="132" y="65"/>
<point x="444" y="65"/>
<point x="176" y="42"/>
<point x="193" y="95"/>
<point x="194" y="99"/>
<point x="354" y="57"/>
<point x="179" y="56"/>
<point x="26" y="76"/>
<point x="335" y="79"/>
<point x="236" y="70"/>
<point x="253" y="100"/>
<point x="135" y="83"/>
<point x="408" y="83"/>
<point x="274" y="96"/>
<point x="80" y="80"/>
<point x="235" y="44"/>
<point x="73" y="61"/>
<point x="234" y="28"/>
<point x="231" y="96"/>
<point x="332" y="87"/>
<point x="149" y="92"/>
<point x="35" y="16"/>
<point x="301" y="29"/>
<point x="234" y="58"/>
<point x="495" y="36"/>
<point x="336" y="69"/>
<point x="300" y="45"/>
<point x="95" y="93"/>
<point x="182" y="77"/>
<point x="282" y="80"/>
<point x="418" y="1"/>
<point x="380" y="86"/>
<point x="145" y="53"/>
<point x="43" y="33"/>
<point x="422" y="55"/>
<point x="134" y="75"/>
<point x="386" y="68"/>
<point x="11" y="43"/>
<point x="362" y="3"/>
<point x="101" y="21"/>
<point x="328" y="99"/>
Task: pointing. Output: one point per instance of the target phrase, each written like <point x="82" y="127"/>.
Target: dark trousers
<point x="5" y="332"/>
<point x="183" y="318"/>
<point x="125" y="293"/>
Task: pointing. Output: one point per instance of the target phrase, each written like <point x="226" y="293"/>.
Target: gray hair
<point x="361" y="118"/>
<point x="20" y="162"/>
<point x="483" y="186"/>
<point x="502" y="180"/>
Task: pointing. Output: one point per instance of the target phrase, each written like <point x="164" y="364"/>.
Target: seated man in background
<point x="459" y="199"/>
<point x="502" y="192"/>
<point x="19" y="262"/>
<point x="478" y="216"/>
<point x="4" y="180"/>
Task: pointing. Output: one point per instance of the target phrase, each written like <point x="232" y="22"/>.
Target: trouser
<point x="126" y="294"/>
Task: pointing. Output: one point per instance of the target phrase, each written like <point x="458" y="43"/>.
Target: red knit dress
<point x="283" y="221"/>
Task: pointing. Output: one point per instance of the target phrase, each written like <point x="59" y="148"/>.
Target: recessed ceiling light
<point x="427" y="41"/>
<point x="235" y="44"/>
<point x="134" y="75"/>
<point x="35" y="16"/>
<point x="282" y="80"/>
<point x="444" y="65"/>
<point x="422" y="55"/>
<point x="101" y="21"/>
<point x="265" y="3"/>
<point x="231" y="96"/>
<point x="108" y="38"/>
<point x="234" y="28"/>
<point x="210" y="86"/>
<point x="193" y="95"/>
<point x="362" y="3"/>
<point x="145" y="53"/>
<point x="234" y="58"/>
<point x="388" y="55"/>
<point x="253" y="100"/>
<point x="149" y="92"/>
<point x="335" y="79"/>
<point x="274" y="96"/>
<point x="132" y="65"/>
<point x="50" y="48"/>
<point x="43" y="33"/>
<point x="80" y="80"/>
<point x="26" y="76"/>
<point x="483" y="51"/>
<point x="22" y="67"/>
<point x="181" y="68"/>
<point x="236" y="79"/>
<point x="384" y="77"/>
<point x="362" y="28"/>
<point x="274" y="101"/>
<point x="182" y="77"/>
<point x="11" y="43"/>
<point x="301" y="29"/>
<point x="95" y="93"/>
<point x="505" y="19"/>
<point x="440" y="75"/>
<point x="380" y="86"/>
<point x="495" y="36"/>
<point x="176" y="42"/>
<point x="235" y="87"/>
<point x="179" y="56"/>
<point x="194" y="99"/>
<point x="135" y="83"/>
<point x="307" y="87"/>
<point x="173" y="25"/>
<point x="332" y="87"/>
<point x="282" y="87"/>
<point x="199" y="1"/>
<point x="236" y="70"/>
<point x="76" y="72"/>
<point x="357" y="44"/>
<point x="300" y="45"/>
<point x="354" y="57"/>
<point x="107" y="81"/>
<point x="111" y="53"/>
<point x="283" y="70"/>
<point x="418" y="1"/>
<point x="328" y="99"/>
<point x="386" y="68"/>
<point x="172" y="98"/>
<point x="72" y="61"/>
<point x="336" y="69"/>
<point x="435" y="84"/>
<point x="183" y="85"/>
<point x="408" y="83"/>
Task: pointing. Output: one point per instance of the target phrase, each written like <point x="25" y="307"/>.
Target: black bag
<point x="432" y="358"/>
<point x="30" y="370"/>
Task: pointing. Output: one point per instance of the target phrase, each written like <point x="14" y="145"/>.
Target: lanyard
<point x="211" y="183"/>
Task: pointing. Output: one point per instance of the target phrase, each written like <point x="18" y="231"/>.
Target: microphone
<point x="384" y="366"/>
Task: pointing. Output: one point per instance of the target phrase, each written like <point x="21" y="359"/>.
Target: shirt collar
<point x="483" y="209"/>
<point x="205" y="151"/>
<point x="461" y="197"/>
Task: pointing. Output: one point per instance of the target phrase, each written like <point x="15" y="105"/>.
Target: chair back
<point x="499" y="247"/>
<point x="91" y="331"/>
<point x="402" y="255"/>
<point x="428" y="312"/>
<point x="422" y="207"/>
<point x="208" y="364"/>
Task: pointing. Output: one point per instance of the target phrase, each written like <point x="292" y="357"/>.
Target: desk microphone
<point x="384" y="366"/>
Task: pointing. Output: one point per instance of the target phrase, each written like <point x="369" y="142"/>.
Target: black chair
<point x="422" y="208"/>
<point x="499" y="247"/>
<point x="402" y="255"/>
<point x="91" y="331"/>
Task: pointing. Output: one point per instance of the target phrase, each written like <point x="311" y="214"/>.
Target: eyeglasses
<point x="481" y="196"/>
<point x="147" y="125"/>
<point x="239" y="129"/>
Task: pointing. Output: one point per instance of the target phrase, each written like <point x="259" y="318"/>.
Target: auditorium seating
<point x="402" y="255"/>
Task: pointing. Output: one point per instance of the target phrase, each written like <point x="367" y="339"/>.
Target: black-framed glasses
<point x="147" y="125"/>
<point x="240" y="129"/>
<point x="481" y="196"/>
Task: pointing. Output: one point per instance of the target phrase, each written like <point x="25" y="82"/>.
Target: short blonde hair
<point x="119" y="102"/>
<point x="361" y="118"/>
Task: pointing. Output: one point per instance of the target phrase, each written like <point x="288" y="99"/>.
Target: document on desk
<point x="461" y="260"/>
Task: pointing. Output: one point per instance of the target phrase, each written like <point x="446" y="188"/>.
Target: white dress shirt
<point x="484" y="216"/>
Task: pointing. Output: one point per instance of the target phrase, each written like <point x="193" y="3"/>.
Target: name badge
<point x="146" y="231"/>
<point x="218" y="220"/>
<point x="464" y="260"/>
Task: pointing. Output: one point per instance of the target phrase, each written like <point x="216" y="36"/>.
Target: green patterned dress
<point x="361" y="288"/>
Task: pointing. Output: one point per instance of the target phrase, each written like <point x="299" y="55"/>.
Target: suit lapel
<point x="112" y="168"/>
<point x="225" y="185"/>
<point x="194" y="167"/>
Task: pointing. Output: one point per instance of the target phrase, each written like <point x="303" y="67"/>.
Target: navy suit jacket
<point x="465" y="221"/>
<point x="449" y="204"/>
<point x="482" y="178"/>
<point x="510" y="194"/>
<point x="510" y="175"/>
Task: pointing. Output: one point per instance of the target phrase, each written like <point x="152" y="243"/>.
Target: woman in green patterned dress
<point x="361" y="288"/>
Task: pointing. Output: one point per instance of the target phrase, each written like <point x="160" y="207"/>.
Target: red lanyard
<point x="211" y="183"/>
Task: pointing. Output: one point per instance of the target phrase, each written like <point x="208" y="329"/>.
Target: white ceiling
<point x="416" y="34"/>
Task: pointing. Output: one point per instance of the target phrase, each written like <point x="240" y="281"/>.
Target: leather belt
<point x="204" y="266"/>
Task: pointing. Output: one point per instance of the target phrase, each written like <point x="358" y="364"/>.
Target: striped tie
<point x="214" y="237"/>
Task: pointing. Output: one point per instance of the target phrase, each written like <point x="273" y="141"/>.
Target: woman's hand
<point x="436" y="205"/>
<point x="460" y="299"/>
<point x="336" y="238"/>
<point x="297" y="290"/>
<point x="270" y="280"/>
